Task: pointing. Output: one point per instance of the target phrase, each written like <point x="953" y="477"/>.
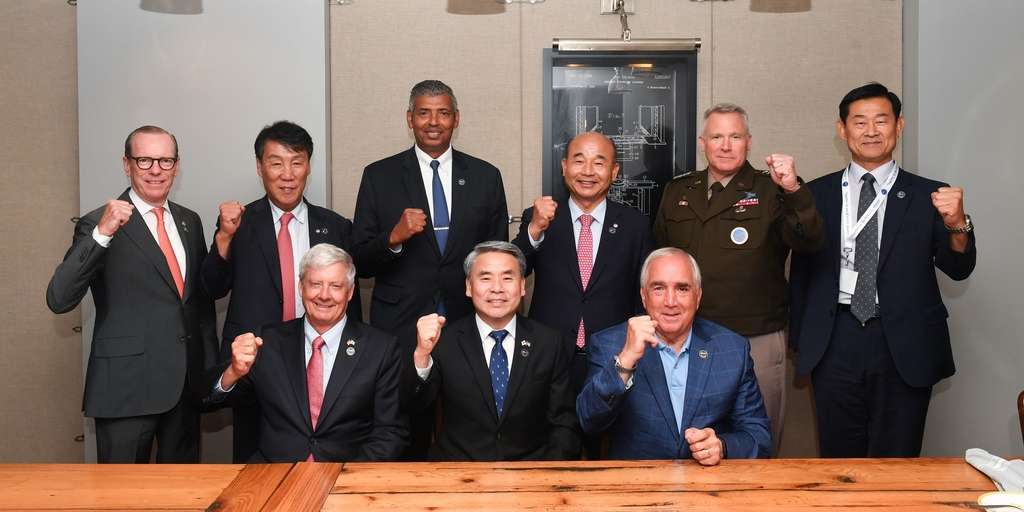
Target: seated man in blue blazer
<point x="669" y="385"/>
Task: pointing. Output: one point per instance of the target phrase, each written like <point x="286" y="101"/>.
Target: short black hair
<point x="287" y="134"/>
<point x="864" y="92"/>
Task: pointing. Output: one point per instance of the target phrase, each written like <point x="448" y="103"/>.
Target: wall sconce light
<point x="519" y="1"/>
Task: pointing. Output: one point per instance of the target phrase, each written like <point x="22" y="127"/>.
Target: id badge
<point x="847" y="280"/>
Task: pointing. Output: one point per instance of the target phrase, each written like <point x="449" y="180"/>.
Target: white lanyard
<point x="850" y="231"/>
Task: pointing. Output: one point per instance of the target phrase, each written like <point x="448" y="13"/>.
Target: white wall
<point x="214" y="74"/>
<point x="964" y="70"/>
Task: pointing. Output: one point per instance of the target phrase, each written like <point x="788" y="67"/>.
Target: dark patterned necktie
<point x="866" y="256"/>
<point x="499" y="370"/>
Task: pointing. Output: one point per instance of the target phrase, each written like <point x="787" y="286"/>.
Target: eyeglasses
<point x="146" y="162"/>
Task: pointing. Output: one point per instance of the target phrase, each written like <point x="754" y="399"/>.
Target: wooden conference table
<point x="778" y="484"/>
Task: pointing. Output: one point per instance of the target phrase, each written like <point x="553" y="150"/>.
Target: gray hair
<point x="666" y="252"/>
<point x="495" y="246"/>
<point x="431" y="88"/>
<point x="325" y="255"/>
<point x="726" y="108"/>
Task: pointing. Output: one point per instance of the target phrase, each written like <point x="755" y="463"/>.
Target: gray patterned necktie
<point x="866" y="256"/>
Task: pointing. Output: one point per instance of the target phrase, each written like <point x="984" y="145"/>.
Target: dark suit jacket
<point x="914" y="242"/>
<point x="409" y="284"/>
<point x="721" y="393"/>
<point x="253" y="268"/>
<point x="146" y="337"/>
<point x="613" y="294"/>
<point x="537" y="422"/>
<point x="360" y="419"/>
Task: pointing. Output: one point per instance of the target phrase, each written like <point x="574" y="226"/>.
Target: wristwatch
<point x="967" y="228"/>
<point x="623" y="370"/>
<point x="628" y="372"/>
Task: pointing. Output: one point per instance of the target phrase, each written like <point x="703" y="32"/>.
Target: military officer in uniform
<point x="740" y="224"/>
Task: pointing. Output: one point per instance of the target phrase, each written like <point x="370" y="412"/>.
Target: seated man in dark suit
<point x="327" y="385"/>
<point x="503" y="380"/>
<point x="680" y="386"/>
<point x="255" y="250"/>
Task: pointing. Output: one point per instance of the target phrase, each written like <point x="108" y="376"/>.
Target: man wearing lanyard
<point x="867" y="319"/>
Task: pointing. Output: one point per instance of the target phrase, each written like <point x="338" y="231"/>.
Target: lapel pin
<point x="350" y="342"/>
<point x="350" y="351"/>
<point x="901" y="194"/>
<point x="184" y="227"/>
<point x="524" y="343"/>
<point x="462" y="181"/>
<point x="323" y="231"/>
<point x="317" y="231"/>
<point x="703" y="354"/>
<point x="524" y="352"/>
<point x="696" y="182"/>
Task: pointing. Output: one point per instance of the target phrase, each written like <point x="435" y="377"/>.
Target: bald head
<point x="589" y="168"/>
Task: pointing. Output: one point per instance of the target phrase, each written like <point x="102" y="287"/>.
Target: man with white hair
<point x="327" y="385"/>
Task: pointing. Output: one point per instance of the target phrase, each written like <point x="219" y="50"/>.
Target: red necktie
<point x="284" y="250"/>
<point x="315" y="383"/>
<point x="165" y="247"/>
<point x="585" y="255"/>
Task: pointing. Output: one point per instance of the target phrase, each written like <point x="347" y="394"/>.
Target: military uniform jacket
<point x="741" y="245"/>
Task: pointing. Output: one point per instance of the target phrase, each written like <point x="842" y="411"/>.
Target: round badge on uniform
<point x="739" y="236"/>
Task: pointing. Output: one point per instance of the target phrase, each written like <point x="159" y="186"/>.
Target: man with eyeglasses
<point x="155" y="331"/>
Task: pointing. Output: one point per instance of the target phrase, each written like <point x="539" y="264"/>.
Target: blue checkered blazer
<point x="721" y="393"/>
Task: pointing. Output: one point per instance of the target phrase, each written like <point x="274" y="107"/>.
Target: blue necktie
<point x="440" y="221"/>
<point x="499" y="370"/>
<point x="440" y="209"/>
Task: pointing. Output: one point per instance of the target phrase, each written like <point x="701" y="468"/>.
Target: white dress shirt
<point x="596" y="227"/>
<point x="298" y="228"/>
<point x="486" y="344"/>
<point x="149" y="216"/>
<point x="856" y="175"/>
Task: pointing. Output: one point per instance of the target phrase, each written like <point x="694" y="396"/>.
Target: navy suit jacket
<point x="146" y="337"/>
<point x="253" y="268"/>
<point x="721" y="393"/>
<point x="537" y="421"/>
<point x="409" y="284"/>
<point x="360" y="419"/>
<point x="914" y="242"/>
<point x="613" y="293"/>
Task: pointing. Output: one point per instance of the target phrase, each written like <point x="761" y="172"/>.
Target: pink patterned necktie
<point x="165" y="247"/>
<point x="315" y="383"/>
<point x="284" y="250"/>
<point x="585" y="256"/>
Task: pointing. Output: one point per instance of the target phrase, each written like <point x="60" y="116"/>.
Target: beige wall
<point x="40" y="355"/>
<point x="789" y="69"/>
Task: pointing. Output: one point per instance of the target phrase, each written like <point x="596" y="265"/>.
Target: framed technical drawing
<point x="644" y="101"/>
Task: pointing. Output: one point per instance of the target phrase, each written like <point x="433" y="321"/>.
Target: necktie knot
<point x="499" y="336"/>
<point x="717" y="187"/>
<point x="586" y="219"/>
<point x="318" y="344"/>
<point x="159" y="212"/>
<point x="868" y="178"/>
<point x="285" y="219"/>
<point x="434" y="164"/>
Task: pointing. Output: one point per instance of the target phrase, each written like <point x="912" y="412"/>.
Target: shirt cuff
<point x="535" y="243"/>
<point x="396" y="250"/>
<point x="219" y="393"/>
<point x="103" y="240"/>
<point x="425" y="372"/>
